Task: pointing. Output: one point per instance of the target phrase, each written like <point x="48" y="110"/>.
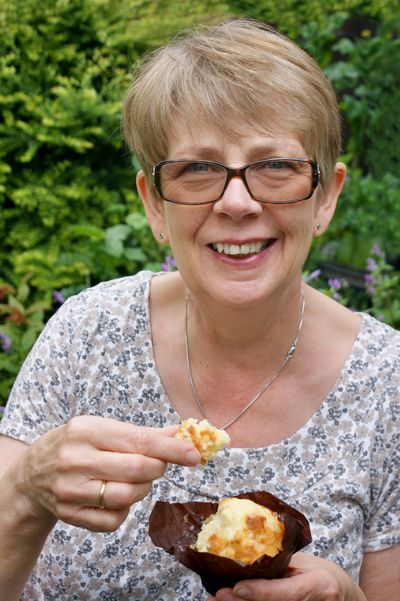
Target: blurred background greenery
<point x="69" y="214"/>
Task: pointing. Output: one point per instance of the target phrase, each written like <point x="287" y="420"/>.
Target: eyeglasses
<point x="275" y="181"/>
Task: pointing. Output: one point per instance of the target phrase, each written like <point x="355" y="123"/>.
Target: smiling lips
<point x="242" y="249"/>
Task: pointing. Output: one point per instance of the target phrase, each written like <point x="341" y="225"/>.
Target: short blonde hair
<point x="238" y="71"/>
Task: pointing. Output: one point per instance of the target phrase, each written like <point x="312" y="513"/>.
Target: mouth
<point x="242" y="250"/>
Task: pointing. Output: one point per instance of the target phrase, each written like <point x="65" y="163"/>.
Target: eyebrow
<point x="257" y="152"/>
<point x="199" y="152"/>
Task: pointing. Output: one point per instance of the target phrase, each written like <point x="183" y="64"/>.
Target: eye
<point x="194" y="170"/>
<point x="198" y="167"/>
<point x="272" y="169"/>
<point x="279" y="168"/>
<point x="279" y="165"/>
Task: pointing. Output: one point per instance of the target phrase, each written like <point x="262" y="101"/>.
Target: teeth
<point x="239" y="249"/>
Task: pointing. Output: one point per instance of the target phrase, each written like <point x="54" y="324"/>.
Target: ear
<point x="327" y="201"/>
<point x="153" y="207"/>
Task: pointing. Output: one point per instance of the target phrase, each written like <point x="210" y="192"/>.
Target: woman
<point x="238" y="134"/>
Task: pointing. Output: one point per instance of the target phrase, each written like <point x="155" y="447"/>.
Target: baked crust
<point x="241" y="530"/>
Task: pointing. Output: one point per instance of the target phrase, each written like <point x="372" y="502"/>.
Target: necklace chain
<point x="289" y="355"/>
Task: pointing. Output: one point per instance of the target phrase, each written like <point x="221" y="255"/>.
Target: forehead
<point x="205" y="140"/>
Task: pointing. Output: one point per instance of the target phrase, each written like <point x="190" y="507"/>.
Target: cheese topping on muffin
<point x="207" y="439"/>
<point x="241" y="530"/>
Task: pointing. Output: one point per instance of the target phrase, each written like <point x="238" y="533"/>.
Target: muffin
<point x="241" y="530"/>
<point x="207" y="439"/>
<point x="176" y="527"/>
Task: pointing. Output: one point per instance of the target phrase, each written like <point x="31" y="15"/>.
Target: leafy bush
<point x="365" y="75"/>
<point x="69" y="214"/>
<point x="65" y="176"/>
<point x="368" y="212"/>
<point x="23" y="321"/>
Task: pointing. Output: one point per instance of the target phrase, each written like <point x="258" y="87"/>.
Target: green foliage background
<point x="69" y="214"/>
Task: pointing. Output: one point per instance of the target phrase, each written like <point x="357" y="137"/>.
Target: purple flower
<point x="369" y="284"/>
<point x="377" y="251"/>
<point x="334" y="283"/>
<point x="169" y="264"/>
<point x="371" y="264"/>
<point x="58" y="297"/>
<point x="314" y="275"/>
<point x="5" y="342"/>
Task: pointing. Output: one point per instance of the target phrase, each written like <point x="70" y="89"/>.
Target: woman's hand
<point x="61" y="474"/>
<point x="308" y="578"/>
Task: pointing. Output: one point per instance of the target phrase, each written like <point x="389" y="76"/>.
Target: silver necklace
<point x="286" y="360"/>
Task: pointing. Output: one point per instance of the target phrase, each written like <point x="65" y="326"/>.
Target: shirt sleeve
<point x="87" y="360"/>
<point x="382" y="526"/>
<point x="43" y="394"/>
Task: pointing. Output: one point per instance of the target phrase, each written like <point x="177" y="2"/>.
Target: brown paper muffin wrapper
<point x="174" y="527"/>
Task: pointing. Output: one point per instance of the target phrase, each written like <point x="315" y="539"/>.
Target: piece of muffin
<point x="207" y="439"/>
<point x="241" y="530"/>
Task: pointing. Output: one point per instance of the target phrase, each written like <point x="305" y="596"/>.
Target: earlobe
<point x="153" y="208"/>
<point x="327" y="204"/>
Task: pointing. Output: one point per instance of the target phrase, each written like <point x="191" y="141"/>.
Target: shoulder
<point x="379" y="344"/>
<point x="376" y="360"/>
<point x="113" y="299"/>
<point x="102" y="316"/>
<point x="376" y="363"/>
<point x="116" y="291"/>
<point x="374" y="327"/>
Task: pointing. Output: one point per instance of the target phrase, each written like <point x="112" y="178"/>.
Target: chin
<point x="244" y="295"/>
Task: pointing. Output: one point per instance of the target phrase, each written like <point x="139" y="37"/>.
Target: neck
<point x="266" y="385"/>
<point x="269" y="325"/>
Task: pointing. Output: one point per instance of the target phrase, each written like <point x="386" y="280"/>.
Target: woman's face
<point x="273" y="240"/>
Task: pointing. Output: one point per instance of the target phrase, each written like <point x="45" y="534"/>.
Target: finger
<point x="256" y="590"/>
<point x="224" y="594"/>
<point x="304" y="587"/>
<point x="93" y="519"/>
<point x="117" y="500"/>
<point x="104" y="465"/>
<point x="116" y="494"/>
<point x="170" y="430"/>
<point x="111" y="435"/>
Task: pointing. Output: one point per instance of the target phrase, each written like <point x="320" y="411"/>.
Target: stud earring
<point x="161" y="235"/>
<point x="318" y="227"/>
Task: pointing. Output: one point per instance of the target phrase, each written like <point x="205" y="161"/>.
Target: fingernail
<point x="193" y="457"/>
<point x="243" y="592"/>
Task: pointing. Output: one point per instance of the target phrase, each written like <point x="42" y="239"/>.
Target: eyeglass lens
<point x="274" y="181"/>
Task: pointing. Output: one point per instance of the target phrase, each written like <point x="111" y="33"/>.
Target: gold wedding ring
<point x="101" y="504"/>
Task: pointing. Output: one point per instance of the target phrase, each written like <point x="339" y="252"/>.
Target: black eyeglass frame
<point x="232" y="172"/>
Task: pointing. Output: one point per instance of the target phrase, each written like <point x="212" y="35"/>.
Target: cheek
<point x="183" y="222"/>
<point x="296" y="220"/>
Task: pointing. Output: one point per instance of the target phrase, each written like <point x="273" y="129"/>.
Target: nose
<point x="236" y="201"/>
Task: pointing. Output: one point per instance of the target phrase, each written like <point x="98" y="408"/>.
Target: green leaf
<point x="115" y="236"/>
<point x="135" y="254"/>
<point x="137" y="221"/>
<point x="16" y="304"/>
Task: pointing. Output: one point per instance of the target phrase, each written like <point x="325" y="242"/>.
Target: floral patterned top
<point x="341" y="468"/>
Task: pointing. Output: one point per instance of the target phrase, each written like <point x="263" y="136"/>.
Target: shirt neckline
<point x="332" y="393"/>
